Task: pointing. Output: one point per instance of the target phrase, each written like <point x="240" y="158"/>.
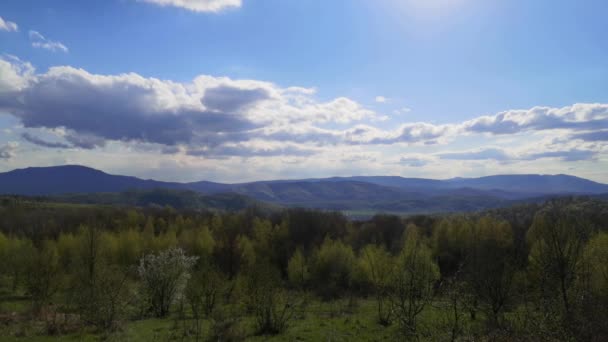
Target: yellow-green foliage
<point x="375" y="266"/>
<point x="596" y="259"/>
<point x="297" y="269"/>
<point x="332" y="267"/>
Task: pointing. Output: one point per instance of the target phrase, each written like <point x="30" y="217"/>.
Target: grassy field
<point x="319" y="321"/>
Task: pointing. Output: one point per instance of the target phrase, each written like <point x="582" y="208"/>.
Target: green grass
<point x="320" y="321"/>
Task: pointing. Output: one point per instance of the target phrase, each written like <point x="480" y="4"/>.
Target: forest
<point x="86" y="272"/>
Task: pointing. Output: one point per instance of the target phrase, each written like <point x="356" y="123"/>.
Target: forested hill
<point x="355" y="194"/>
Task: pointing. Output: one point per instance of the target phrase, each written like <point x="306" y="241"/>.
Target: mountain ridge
<point x="339" y="193"/>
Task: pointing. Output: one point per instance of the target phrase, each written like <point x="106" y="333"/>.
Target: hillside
<point x="182" y="199"/>
<point x="379" y="193"/>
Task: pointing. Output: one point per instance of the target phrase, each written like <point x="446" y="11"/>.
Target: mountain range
<point x="358" y="193"/>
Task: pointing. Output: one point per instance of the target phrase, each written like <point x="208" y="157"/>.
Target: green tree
<point x="19" y="253"/>
<point x="377" y="265"/>
<point x="555" y="256"/>
<point x="297" y="270"/>
<point x="42" y="280"/>
<point x="596" y="259"/>
<point x="489" y="267"/>
<point x="199" y="242"/>
<point x="333" y="266"/>
<point x="413" y="280"/>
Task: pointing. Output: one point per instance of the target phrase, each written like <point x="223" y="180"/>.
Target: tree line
<point x="535" y="272"/>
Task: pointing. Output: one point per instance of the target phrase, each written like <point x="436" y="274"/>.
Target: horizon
<point x="236" y="91"/>
<point x="292" y="179"/>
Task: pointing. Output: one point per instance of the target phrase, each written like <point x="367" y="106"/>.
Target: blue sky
<point x="409" y="87"/>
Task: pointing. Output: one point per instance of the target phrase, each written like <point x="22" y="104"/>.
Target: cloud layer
<point x="218" y="118"/>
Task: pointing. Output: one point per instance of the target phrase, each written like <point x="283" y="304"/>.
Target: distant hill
<point x="71" y="179"/>
<point x="359" y="193"/>
<point x="180" y="199"/>
<point x="535" y="184"/>
<point x="500" y="185"/>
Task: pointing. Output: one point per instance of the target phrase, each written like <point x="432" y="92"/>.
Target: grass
<point x="339" y="320"/>
<point x="320" y="321"/>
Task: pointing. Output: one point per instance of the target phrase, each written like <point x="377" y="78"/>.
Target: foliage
<point x="271" y="305"/>
<point x="297" y="270"/>
<point x="488" y="265"/>
<point x="412" y="287"/>
<point x="376" y="266"/>
<point x="42" y="279"/>
<point x="332" y="268"/>
<point x="164" y="277"/>
<point x="533" y="272"/>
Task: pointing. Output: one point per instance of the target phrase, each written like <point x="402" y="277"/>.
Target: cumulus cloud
<point x="584" y="116"/>
<point x="198" y="5"/>
<point x="413" y="133"/>
<point x="39" y="41"/>
<point x="228" y="99"/>
<point x="219" y="117"/>
<point x="8" y="26"/>
<point x="7" y="151"/>
<point x="205" y="113"/>
<point x="14" y="74"/>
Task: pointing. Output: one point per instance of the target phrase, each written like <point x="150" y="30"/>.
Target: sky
<point x="243" y="90"/>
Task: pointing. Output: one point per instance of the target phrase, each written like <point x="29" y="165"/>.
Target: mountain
<point x="532" y="184"/>
<point x="359" y="193"/>
<point x="71" y="179"/>
<point x="500" y="185"/>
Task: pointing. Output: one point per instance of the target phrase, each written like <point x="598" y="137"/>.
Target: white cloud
<point x="381" y="99"/>
<point x="8" y="26"/>
<point x="205" y="114"/>
<point x="402" y="111"/>
<point x="39" y="41"/>
<point x="80" y="114"/>
<point x="14" y="74"/>
<point x="479" y="154"/>
<point x="7" y="151"/>
<point x="581" y="116"/>
<point x="198" y="5"/>
<point x="567" y="154"/>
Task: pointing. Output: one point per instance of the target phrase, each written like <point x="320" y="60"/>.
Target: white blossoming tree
<point x="164" y="277"/>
